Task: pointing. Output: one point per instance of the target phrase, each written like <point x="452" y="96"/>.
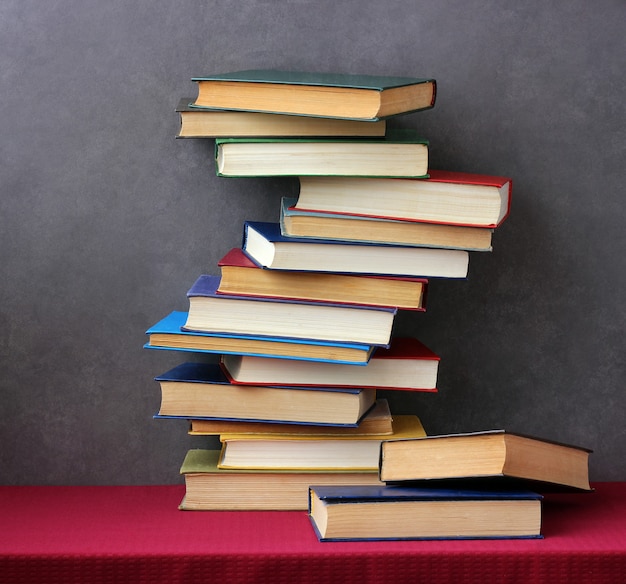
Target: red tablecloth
<point x="137" y="534"/>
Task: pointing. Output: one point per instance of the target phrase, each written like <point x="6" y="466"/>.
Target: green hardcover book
<point x="335" y="95"/>
<point x="401" y="154"/>
<point x="209" y="488"/>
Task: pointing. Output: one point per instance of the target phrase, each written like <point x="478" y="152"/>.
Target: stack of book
<point x="303" y="348"/>
<point x="302" y="314"/>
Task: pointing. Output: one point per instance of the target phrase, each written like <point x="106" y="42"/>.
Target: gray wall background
<point x="106" y="219"/>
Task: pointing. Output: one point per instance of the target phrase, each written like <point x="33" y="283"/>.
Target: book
<point x="241" y="276"/>
<point x="208" y="488"/>
<point x="378" y="420"/>
<point x="264" y="243"/>
<point x="321" y="225"/>
<point x="168" y="334"/>
<point x="338" y="95"/>
<point x="495" y="454"/>
<point x="207" y="123"/>
<point x="398" y="154"/>
<point x="407" y="364"/>
<point x="304" y="452"/>
<point x="209" y="311"/>
<point x="455" y="198"/>
<point x="203" y="390"/>
<point x="352" y="513"/>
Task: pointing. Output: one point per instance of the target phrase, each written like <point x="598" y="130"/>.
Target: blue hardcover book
<point x="264" y="243"/>
<point x="268" y="316"/>
<point x="352" y="513"/>
<point x="202" y="390"/>
<point x="168" y="334"/>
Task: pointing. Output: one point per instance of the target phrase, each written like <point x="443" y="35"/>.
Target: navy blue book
<point x="487" y="456"/>
<point x="272" y="317"/>
<point x="201" y="390"/>
<point x="265" y="244"/>
<point x="353" y="513"/>
<point x="168" y="334"/>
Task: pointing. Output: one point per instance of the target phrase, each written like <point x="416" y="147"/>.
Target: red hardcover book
<point x="447" y="197"/>
<point x="243" y="277"/>
<point x="407" y="364"/>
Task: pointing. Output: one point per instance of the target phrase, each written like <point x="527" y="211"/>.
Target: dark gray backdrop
<point x="107" y="219"/>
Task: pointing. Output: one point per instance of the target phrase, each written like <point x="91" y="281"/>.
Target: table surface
<point x="100" y="532"/>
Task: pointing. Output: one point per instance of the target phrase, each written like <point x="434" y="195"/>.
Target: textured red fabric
<point x="137" y="534"/>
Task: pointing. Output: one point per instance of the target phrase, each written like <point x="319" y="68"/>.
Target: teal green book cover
<point x="375" y="82"/>
<point x="335" y="95"/>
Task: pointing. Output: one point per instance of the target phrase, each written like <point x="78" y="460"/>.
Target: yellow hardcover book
<point x="377" y="421"/>
<point x="309" y="451"/>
